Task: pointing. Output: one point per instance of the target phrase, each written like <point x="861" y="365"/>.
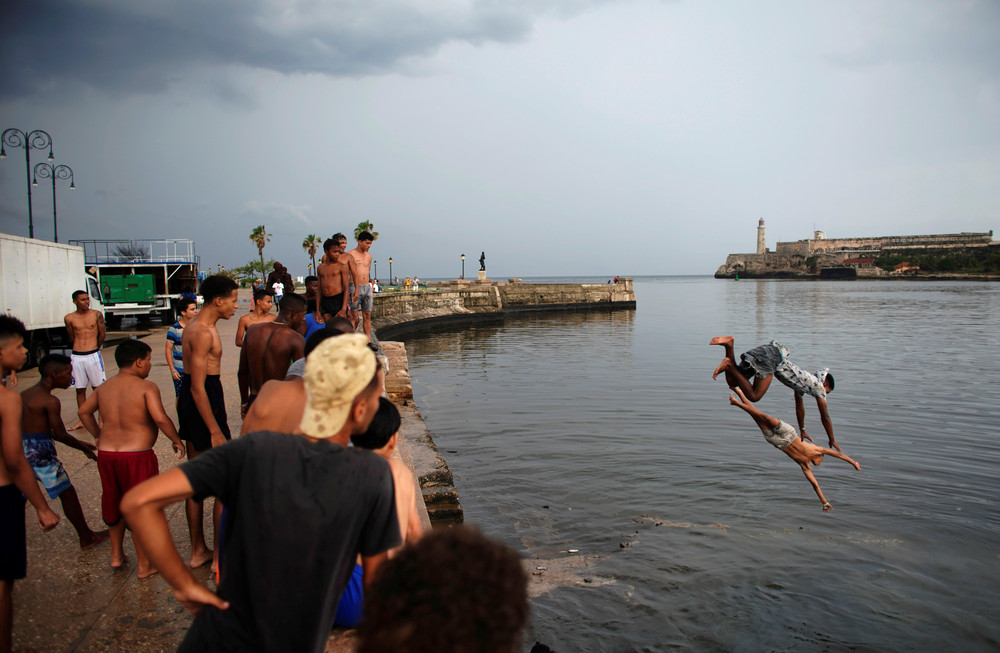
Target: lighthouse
<point x="761" y="242"/>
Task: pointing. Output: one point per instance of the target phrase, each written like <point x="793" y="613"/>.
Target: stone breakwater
<point x="397" y="313"/>
<point x="401" y="312"/>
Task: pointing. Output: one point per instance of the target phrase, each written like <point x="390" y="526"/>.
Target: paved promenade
<point x="72" y="600"/>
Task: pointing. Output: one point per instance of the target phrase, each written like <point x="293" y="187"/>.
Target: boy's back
<point x="127" y="423"/>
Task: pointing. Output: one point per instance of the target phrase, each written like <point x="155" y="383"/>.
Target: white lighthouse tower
<point x="761" y="242"/>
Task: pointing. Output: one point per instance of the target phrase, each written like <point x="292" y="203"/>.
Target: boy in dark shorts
<point x="782" y="436"/>
<point x="132" y="416"/>
<point x="201" y="408"/>
<point x="15" y="477"/>
<point x="41" y="423"/>
<point x="331" y="300"/>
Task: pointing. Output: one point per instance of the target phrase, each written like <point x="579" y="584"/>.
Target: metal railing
<point x="151" y="250"/>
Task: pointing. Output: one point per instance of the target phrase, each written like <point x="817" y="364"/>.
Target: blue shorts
<point x="41" y="454"/>
<point x="351" y="601"/>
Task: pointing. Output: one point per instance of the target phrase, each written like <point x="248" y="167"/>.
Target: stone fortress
<point x="795" y="258"/>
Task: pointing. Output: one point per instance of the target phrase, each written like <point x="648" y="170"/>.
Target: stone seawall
<point x="402" y="312"/>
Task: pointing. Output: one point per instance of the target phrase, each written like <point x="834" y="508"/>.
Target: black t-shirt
<point x="298" y="512"/>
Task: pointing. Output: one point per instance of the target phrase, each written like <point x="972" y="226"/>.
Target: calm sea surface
<point x="590" y="431"/>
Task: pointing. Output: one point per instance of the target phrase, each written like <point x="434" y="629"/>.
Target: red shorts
<point x="121" y="471"/>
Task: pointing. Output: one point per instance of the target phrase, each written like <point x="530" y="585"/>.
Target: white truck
<point x="37" y="281"/>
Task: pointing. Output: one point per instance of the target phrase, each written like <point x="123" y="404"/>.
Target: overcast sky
<point x="561" y="137"/>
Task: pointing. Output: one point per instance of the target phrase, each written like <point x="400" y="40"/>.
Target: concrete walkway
<point x="72" y="600"/>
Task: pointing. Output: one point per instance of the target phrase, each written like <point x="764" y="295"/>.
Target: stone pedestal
<point x="482" y="275"/>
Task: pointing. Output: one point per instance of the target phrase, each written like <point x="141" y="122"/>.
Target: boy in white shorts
<point x="85" y="327"/>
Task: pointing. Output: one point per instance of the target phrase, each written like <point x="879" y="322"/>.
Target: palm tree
<point x="260" y="237"/>
<point x="365" y="226"/>
<point x="311" y="244"/>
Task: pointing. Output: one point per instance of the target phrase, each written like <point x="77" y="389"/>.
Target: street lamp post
<point x="463" y="267"/>
<point x="37" y="140"/>
<point x="46" y="171"/>
<point x="390" y="270"/>
<point x="376" y="269"/>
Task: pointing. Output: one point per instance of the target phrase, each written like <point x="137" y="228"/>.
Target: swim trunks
<point x="41" y="454"/>
<point x="351" y="601"/>
<point x="88" y="366"/>
<point x="13" y="542"/>
<point x="364" y="302"/>
<point x="331" y="305"/>
<point x="773" y="359"/>
<point x="192" y="427"/>
<point x="120" y="472"/>
<point x="781" y="435"/>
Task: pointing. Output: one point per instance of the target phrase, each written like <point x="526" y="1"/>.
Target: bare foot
<point x="76" y="425"/>
<point x="201" y="558"/>
<point x="721" y="340"/>
<point x="95" y="538"/>
<point x="147" y="572"/>
<point x="119" y="562"/>
<point x="721" y="368"/>
<point x="733" y="400"/>
<point x="856" y="465"/>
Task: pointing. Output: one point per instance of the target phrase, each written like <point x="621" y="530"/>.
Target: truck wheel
<point x="167" y="317"/>
<point x="39" y="350"/>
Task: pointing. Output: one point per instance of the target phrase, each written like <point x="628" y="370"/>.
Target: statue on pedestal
<point x="482" y="262"/>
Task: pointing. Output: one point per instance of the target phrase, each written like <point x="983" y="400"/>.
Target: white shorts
<point x="87" y="368"/>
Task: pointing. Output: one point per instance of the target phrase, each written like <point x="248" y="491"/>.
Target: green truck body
<point x="129" y="288"/>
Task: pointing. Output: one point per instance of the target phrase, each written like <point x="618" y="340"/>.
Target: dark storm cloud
<point x="122" y="46"/>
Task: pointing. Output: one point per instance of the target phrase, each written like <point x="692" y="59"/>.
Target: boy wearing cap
<point x="769" y="361"/>
<point x="301" y="507"/>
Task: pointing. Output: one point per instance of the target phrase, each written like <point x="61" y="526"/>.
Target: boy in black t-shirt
<point x="301" y="507"/>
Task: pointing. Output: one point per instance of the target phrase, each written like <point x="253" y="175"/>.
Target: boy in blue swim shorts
<point x="41" y="423"/>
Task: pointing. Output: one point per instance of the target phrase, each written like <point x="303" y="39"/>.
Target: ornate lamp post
<point x="390" y="270"/>
<point x="38" y="140"/>
<point x="46" y="171"/>
<point x="376" y="269"/>
<point x="463" y="267"/>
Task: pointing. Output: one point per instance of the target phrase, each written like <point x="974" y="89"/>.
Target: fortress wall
<point x="808" y="247"/>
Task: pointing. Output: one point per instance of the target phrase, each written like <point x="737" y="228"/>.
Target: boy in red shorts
<point x="132" y="414"/>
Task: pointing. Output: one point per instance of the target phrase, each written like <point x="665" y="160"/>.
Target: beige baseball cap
<point x="336" y="372"/>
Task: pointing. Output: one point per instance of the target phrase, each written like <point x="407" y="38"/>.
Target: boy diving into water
<point x="783" y="436"/>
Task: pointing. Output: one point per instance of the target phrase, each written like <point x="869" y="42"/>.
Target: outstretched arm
<point x="143" y="509"/>
<point x="824" y="417"/>
<point x="58" y="430"/>
<point x="812" y="480"/>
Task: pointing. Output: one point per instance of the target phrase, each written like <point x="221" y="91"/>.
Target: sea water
<point x="599" y="441"/>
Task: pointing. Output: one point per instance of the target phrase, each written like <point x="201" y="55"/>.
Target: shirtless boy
<point x="331" y="300"/>
<point x="761" y="363"/>
<point x="86" y="333"/>
<point x="41" y="423"/>
<point x="201" y="408"/>
<point x="783" y="436"/>
<point x="269" y="348"/>
<point x="280" y="403"/>
<point x="362" y="289"/>
<point x="263" y="301"/>
<point x="382" y="437"/>
<point x="16" y="478"/>
<point x="132" y="416"/>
